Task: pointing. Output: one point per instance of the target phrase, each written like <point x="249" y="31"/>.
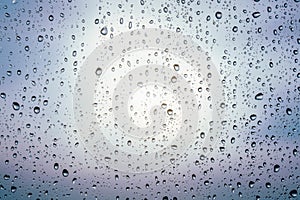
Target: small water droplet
<point x="98" y="71"/>
<point x="3" y="95"/>
<point x="107" y="158"/>
<point x="259" y="96"/>
<point x="65" y="173"/>
<point x="104" y="30"/>
<point x="40" y="38"/>
<point x="251" y="184"/>
<point x="253" y="117"/>
<point x="16" y="106"/>
<point x="51" y="18"/>
<point x="268" y="185"/>
<point x="36" y="110"/>
<point x="170" y="112"/>
<point x="176" y="67"/>
<point x="295" y="152"/>
<point x="218" y="15"/>
<point x="56" y="166"/>
<point x="13" y="189"/>
<point x="276" y="168"/>
<point x="6" y="177"/>
<point x="256" y="14"/>
<point x="173" y="79"/>
<point x="232" y="141"/>
<point x="288" y="111"/>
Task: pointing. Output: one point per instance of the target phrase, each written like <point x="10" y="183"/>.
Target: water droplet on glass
<point x="259" y="96"/>
<point x="51" y="18"/>
<point x="3" y="95"/>
<point x="173" y="79"/>
<point x="256" y="14"/>
<point x="218" y="15"/>
<point x="253" y="117"/>
<point x="36" y="110"/>
<point x="40" y="38"/>
<point x="56" y="166"/>
<point x="276" y="168"/>
<point x="251" y="184"/>
<point x="268" y="185"/>
<point x="65" y="173"/>
<point x="98" y="71"/>
<point x="288" y="111"/>
<point x="176" y="67"/>
<point x="294" y="193"/>
<point x="16" y="106"/>
<point x="104" y="30"/>
<point x="13" y="189"/>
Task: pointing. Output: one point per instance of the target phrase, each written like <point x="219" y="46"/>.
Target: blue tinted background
<point x="255" y="53"/>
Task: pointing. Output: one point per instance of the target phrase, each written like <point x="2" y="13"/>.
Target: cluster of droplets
<point x="256" y="48"/>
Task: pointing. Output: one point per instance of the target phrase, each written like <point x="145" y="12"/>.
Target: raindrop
<point x="98" y="71"/>
<point x="288" y="111"/>
<point x="173" y="79"/>
<point x="104" y="30"/>
<point x="218" y="15"/>
<point x="16" y="106"/>
<point x="6" y="177"/>
<point x="51" y="18"/>
<point x="36" y="110"/>
<point x="56" y="166"/>
<point x="294" y="193"/>
<point x="170" y="111"/>
<point x="235" y="29"/>
<point x="13" y="189"/>
<point x="65" y="173"/>
<point x="256" y="14"/>
<point x="268" y="185"/>
<point x="176" y="67"/>
<point x="295" y="152"/>
<point x="232" y="141"/>
<point x="276" y="168"/>
<point x="251" y="184"/>
<point x="259" y="96"/>
<point x="253" y="117"/>
<point x="40" y="38"/>
<point x="3" y="95"/>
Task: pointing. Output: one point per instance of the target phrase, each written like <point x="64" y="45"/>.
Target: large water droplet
<point x="294" y="193"/>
